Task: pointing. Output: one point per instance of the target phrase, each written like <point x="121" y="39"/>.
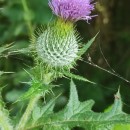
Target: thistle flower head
<point x="58" y="46"/>
<point x="72" y="10"/>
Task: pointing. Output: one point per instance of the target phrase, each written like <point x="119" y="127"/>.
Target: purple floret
<point x="72" y="10"/>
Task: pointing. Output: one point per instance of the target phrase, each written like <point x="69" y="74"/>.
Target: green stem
<point x="27" y="19"/>
<point x="27" y="112"/>
<point x="4" y="117"/>
<point x="4" y="122"/>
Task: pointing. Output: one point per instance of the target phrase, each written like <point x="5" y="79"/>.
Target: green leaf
<point x="80" y="114"/>
<point x="36" y="88"/>
<point x="40" y="111"/>
<point x="121" y="127"/>
<point x="86" y="46"/>
<point x="6" y="47"/>
<point x="73" y="76"/>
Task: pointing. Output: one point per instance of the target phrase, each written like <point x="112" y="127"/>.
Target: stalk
<point x="4" y="122"/>
<point x="27" y="113"/>
<point x="27" y="19"/>
<point x="32" y="103"/>
<point x="4" y="117"/>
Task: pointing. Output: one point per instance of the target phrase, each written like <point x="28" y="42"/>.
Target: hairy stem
<point x="4" y="117"/>
<point x="4" y="122"/>
<point x="27" y="112"/>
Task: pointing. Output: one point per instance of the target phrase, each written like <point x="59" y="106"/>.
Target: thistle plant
<point x="55" y="52"/>
<point x="58" y="45"/>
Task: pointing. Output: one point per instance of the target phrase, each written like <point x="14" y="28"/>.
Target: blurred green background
<point x="18" y="20"/>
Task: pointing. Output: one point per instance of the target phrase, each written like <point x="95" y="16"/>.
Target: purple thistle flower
<point x="72" y="10"/>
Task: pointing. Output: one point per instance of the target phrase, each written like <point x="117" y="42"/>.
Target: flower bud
<point x="57" y="46"/>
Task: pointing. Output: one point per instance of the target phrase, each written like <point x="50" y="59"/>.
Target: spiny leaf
<point x="21" y="51"/>
<point x="2" y="72"/>
<point x="78" y="113"/>
<point x="74" y="106"/>
<point x="36" y="87"/>
<point x="5" y="48"/>
<point x="117" y="107"/>
<point x="86" y="46"/>
<point x="73" y="76"/>
<point x="40" y="111"/>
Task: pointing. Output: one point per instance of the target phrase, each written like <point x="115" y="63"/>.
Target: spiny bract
<point x="57" y="46"/>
